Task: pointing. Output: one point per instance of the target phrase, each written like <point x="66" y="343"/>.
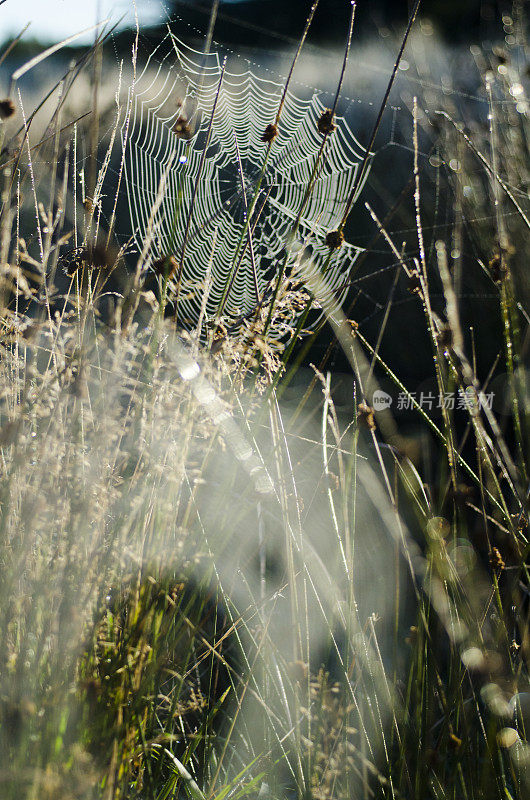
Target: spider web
<point x="191" y="193"/>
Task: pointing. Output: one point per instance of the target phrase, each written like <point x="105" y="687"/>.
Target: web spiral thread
<point x="211" y="165"/>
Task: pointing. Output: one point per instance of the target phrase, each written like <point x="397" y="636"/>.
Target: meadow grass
<point x="211" y="591"/>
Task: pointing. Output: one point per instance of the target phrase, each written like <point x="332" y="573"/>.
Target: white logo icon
<point x="381" y="400"/>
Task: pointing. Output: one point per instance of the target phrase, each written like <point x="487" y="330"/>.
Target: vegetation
<point x="211" y="590"/>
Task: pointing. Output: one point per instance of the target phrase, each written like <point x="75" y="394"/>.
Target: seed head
<point x="166" y="266"/>
<point x="514" y="648"/>
<point x="498" y="268"/>
<point x="496" y="560"/>
<point x="73" y="260"/>
<point x="89" y="256"/>
<point x="182" y="128"/>
<point x="298" y="671"/>
<point x="415" y="283"/>
<point x="365" y="416"/>
<point x="335" y="240"/>
<point x="354" y="326"/>
<point x="7" y="109"/>
<point x="270" y="134"/>
<point x="325" y="123"/>
<point x="445" y="337"/>
<point x="520" y="522"/>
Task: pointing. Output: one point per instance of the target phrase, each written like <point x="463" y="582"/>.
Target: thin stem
<point x="364" y="166"/>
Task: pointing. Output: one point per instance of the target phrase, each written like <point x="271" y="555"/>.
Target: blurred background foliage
<point x="259" y="22"/>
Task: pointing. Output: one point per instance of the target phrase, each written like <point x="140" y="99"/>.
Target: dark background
<point x="259" y="22"/>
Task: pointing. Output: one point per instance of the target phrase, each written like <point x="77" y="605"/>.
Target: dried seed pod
<point x="415" y="283"/>
<point x="325" y="124"/>
<point x="455" y="743"/>
<point x="445" y="337"/>
<point x="89" y="256"/>
<point x="166" y="266"/>
<point x="365" y="416"/>
<point x="73" y="260"/>
<point x="514" y="648"/>
<point x="498" y="268"/>
<point x="218" y="345"/>
<point x="335" y="240"/>
<point x="298" y="671"/>
<point x="496" y="560"/>
<point x="182" y="128"/>
<point x="7" y="109"/>
<point x="270" y="134"/>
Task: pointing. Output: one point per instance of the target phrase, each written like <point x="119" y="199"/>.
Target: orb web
<point x="195" y="131"/>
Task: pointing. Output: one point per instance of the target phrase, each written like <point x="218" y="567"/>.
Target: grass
<point x="210" y="590"/>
